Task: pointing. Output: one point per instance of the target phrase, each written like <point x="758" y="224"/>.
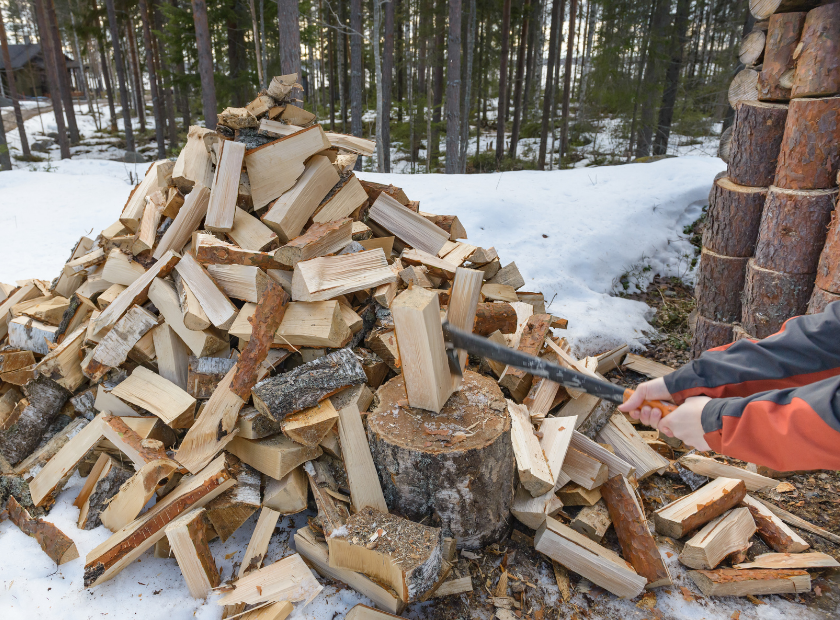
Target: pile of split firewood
<point x="217" y="349"/>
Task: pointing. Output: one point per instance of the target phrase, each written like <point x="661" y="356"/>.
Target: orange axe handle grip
<point x="664" y="407"/>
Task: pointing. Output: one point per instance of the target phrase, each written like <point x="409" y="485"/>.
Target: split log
<point x="126" y="545"/>
<point x="120" y="268"/>
<point x="63" y="364"/>
<point x="772" y="297"/>
<point x="323" y="278"/>
<point x="213" y="301"/>
<point x="517" y="381"/>
<point x="345" y="199"/>
<point x="584" y="470"/>
<point x="756" y="140"/>
<point x="402" y="554"/>
<point x="810" y="151"/>
<point x="698" y="508"/>
<point x="317" y="554"/>
<point x="751" y="50"/>
<point x="734" y="582"/>
<point x="332" y="514"/>
<point x="579" y="554"/>
<point x="317" y="324"/>
<point x="319" y="240"/>
<point x="36" y="461"/>
<point x="249" y="233"/>
<point x="744" y="87"/>
<point x="365" y="489"/>
<point x="819" y="300"/>
<point x="728" y="533"/>
<point x="628" y="445"/>
<point x="230" y="510"/>
<point x="52" y="540"/>
<point x="532" y="511"/>
<point x="185" y="223"/>
<point x="793" y="229"/>
<point x="307" y="385"/>
<point x="205" y="373"/>
<point x="254" y="425"/>
<point x="637" y="543"/>
<point x="188" y="538"/>
<point x="172" y="355"/>
<point x="711" y="468"/>
<point x="25" y="426"/>
<point x="201" y="343"/>
<point x="289" y="579"/>
<point x="787" y="560"/>
<point x="258" y="544"/>
<point x="615" y="464"/>
<point x="222" y="205"/>
<point x="783" y="34"/>
<point x="720" y="280"/>
<point x="112" y="351"/>
<point x="490" y="317"/>
<point x="274" y="456"/>
<point x="479" y="468"/>
<point x="802" y="524"/>
<point x="107" y="485"/>
<point x="134" y="207"/>
<point x="411" y="228"/>
<point x="709" y="334"/>
<point x="534" y="472"/>
<point x="194" y="165"/>
<point x="310" y="426"/>
<point x="31" y="335"/>
<point x="288" y="495"/>
<point x="818" y="54"/>
<point x="134" y="493"/>
<point x="210" y="250"/>
<point x="762" y="9"/>
<point x="593" y="522"/>
<point x="159" y="396"/>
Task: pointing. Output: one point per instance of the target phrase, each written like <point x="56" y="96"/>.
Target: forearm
<point x="788" y="429"/>
<point x="805" y="351"/>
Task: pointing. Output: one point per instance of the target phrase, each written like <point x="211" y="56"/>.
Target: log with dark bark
<point x="810" y="152"/>
<point x="783" y="34"/>
<point x="32" y="417"/>
<point x="733" y="218"/>
<point x="52" y="540"/>
<point x="720" y="280"/>
<point x="105" y="489"/>
<point x="756" y="139"/>
<point x="307" y="385"/>
<point x="772" y="297"/>
<point x="818" y="62"/>
<point x="793" y="229"/>
<point x="828" y="270"/>
<point x="819" y="300"/>
<point x="637" y="543"/>
<point x="709" y="334"/>
<point x="492" y="316"/>
<point x="762" y="9"/>
<point x="463" y="480"/>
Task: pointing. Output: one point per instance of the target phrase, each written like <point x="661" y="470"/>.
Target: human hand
<point x="649" y="390"/>
<point x="685" y="424"/>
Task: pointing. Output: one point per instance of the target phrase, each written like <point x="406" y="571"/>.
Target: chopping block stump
<point x="464" y="478"/>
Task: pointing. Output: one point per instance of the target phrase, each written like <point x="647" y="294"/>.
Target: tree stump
<point x="828" y="270"/>
<point x="810" y="152"/>
<point x="744" y="87"/>
<point x="783" y="35"/>
<point x="709" y="334"/>
<point x="720" y="280"/>
<point x="431" y="465"/>
<point x="762" y="9"/>
<point x="793" y="229"/>
<point x="818" y="64"/>
<point x="820" y="299"/>
<point x="756" y="139"/>
<point x="734" y="218"/>
<point x="772" y="297"/>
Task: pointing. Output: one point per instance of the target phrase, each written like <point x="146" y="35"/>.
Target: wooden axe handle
<point x="664" y="407"/>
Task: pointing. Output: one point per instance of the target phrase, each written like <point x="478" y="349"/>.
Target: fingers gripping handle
<point x="664" y="407"/>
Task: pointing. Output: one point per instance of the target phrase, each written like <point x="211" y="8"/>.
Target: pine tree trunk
<point x="288" y="16"/>
<point x="10" y="80"/>
<point x="772" y="297"/>
<point x="63" y="75"/>
<point x="644" y="139"/>
<point x="237" y="62"/>
<point x="387" y="83"/>
<point x="453" y="90"/>
<point x="548" y="98"/>
<point x="756" y="140"/>
<point x="356" y="71"/>
<point x="520" y="76"/>
<point x="783" y="35"/>
<point x="672" y="78"/>
<point x="332" y="35"/>
<point x="150" y="67"/>
<point x="205" y="62"/>
<point x="535" y="19"/>
<point x="262" y="38"/>
<point x="109" y="90"/>
<point x="52" y="78"/>
<point x="437" y="95"/>
<point x="375" y="40"/>
<point x="168" y="99"/>
<point x="77" y="51"/>
<point x="139" y="92"/>
<point x="810" y="153"/>
<point x="567" y="76"/>
<point x="501" y="111"/>
<point x="591" y="20"/>
<point x="467" y="106"/>
<point x="341" y="41"/>
<point x="5" y="153"/>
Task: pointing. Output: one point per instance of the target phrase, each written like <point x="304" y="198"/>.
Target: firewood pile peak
<point x="260" y="332"/>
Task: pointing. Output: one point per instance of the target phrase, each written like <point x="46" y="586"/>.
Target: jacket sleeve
<point x="787" y="429"/>
<point x="805" y="350"/>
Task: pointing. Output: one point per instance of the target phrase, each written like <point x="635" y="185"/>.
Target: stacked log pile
<point x="769" y="217"/>
<point x="215" y="352"/>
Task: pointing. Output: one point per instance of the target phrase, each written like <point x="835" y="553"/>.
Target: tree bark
<point x="548" y="98"/>
<point x="734" y="217"/>
<point x="820" y="299"/>
<point x="168" y="99"/>
<point x="709" y="334"/>
<point x="772" y="297"/>
<point x="52" y="78"/>
<point x="644" y="139"/>
<point x="356" y="71"/>
<point x="828" y="270"/>
<point x="783" y="35"/>
<point x="63" y="76"/>
<point x="205" y="62"/>
<point x="756" y="140"/>
<point x="793" y="229"/>
<point x="109" y="90"/>
<point x="256" y="34"/>
<point x="10" y="80"/>
<point x="453" y="90"/>
<point x="153" y="85"/>
<point x="567" y="77"/>
<point x="288" y="16"/>
<point x="465" y="485"/>
<point x="375" y="41"/>
<point x="720" y="280"/>
<point x="762" y="9"/>
<point x="139" y="92"/>
<point x="437" y="94"/>
<point x="44" y="400"/>
<point x="672" y="78"/>
<point x="237" y="55"/>
<point x="5" y="153"/>
<point x="501" y="111"/>
<point x="387" y="83"/>
<point x="810" y="153"/>
<point x="520" y="71"/>
<point x="467" y="106"/>
<point x="818" y="66"/>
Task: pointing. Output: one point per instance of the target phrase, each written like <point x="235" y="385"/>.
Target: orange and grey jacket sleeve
<point x="787" y="429"/>
<point x="804" y="351"/>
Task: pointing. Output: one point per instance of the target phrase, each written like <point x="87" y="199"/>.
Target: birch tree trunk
<point x="258" y="55"/>
<point x="288" y="17"/>
<point x="453" y="90"/>
<point x="501" y="110"/>
<point x="205" y="62"/>
<point x="150" y="67"/>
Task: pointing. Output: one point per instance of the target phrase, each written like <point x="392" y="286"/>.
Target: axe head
<point x="453" y="359"/>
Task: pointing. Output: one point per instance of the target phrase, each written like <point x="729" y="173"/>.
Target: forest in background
<point x="485" y="84"/>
